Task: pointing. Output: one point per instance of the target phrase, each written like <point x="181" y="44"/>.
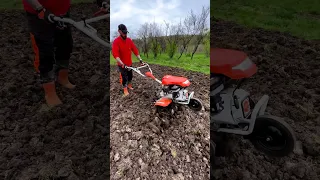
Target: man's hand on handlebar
<point x="141" y="62"/>
<point x="140" y="59"/>
<point x="124" y="66"/>
<point x="45" y="15"/>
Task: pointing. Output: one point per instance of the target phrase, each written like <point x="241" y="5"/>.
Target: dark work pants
<point x="126" y="76"/>
<point x="52" y="47"/>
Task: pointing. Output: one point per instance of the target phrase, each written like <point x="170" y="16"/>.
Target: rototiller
<point x="174" y="89"/>
<point x="234" y="112"/>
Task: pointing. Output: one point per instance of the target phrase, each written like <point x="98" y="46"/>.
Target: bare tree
<point x="138" y="42"/>
<point x="143" y="33"/>
<point x="163" y="45"/>
<point x="189" y="31"/>
<point x="201" y="28"/>
<point x="172" y="36"/>
<point x="192" y="30"/>
<point x="206" y="43"/>
<point x="155" y="34"/>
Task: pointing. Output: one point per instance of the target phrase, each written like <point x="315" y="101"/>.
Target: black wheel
<point x="273" y="136"/>
<point x="195" y="104"/>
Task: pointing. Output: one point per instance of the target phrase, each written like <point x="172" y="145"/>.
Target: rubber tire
<point x="269" y="120"/>
<point x="195" y="108"/>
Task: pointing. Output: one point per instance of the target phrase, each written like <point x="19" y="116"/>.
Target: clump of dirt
<point x="143" y="146"/>
<point x="289" y="69"/>
<point x="68" y="142"/>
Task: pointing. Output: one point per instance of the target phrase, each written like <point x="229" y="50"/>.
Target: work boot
<point x="51" y="96"/>
<point x="125" y="92"/>
<point x="64" y="80"/>
<point x="130" y="86"/>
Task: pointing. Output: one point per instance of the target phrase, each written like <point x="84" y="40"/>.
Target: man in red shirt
<point x="52" y="43"/>
<point x="122" y="48"/>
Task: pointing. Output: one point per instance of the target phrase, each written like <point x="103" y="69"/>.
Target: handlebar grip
<point x="51" y="18"/>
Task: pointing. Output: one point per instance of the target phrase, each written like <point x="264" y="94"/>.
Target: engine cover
<point x="230" y="114"/>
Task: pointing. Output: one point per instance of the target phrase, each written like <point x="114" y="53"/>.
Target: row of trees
<point x="183" y="37"/>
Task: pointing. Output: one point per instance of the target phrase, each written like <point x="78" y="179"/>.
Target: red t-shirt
<point x="122" y="49"/>
<point x="57" y="7"/>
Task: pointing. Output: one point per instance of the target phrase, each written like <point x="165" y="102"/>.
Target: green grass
<point x="299" y="18"/>
<point x="17" y="4"/>
<point x="199" y="63"/>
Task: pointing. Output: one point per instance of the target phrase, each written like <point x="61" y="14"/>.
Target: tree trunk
<point x="183" y="50"/>
<point x="194" y="51"/>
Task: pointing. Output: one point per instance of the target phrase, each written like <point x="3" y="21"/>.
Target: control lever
<point x="84" y="20"/>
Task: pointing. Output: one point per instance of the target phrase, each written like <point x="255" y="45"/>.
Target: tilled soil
<point x="68" y="142"/>
<point x="289" y="71"/>
<point x="142" y="146"/>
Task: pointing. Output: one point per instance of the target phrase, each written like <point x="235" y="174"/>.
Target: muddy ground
<point x="69" y="142"/>
<point x="289" y="71"/>
<point x="142" y="146"/>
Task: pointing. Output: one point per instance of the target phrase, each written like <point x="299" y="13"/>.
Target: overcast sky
<point x="134" y="13"/>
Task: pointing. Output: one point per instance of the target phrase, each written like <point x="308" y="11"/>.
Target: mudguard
<point x="231" y="63"/>
<point x="164" y="102"/>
